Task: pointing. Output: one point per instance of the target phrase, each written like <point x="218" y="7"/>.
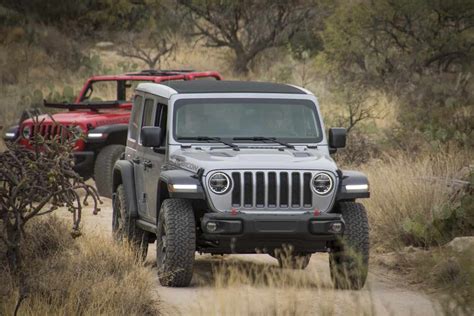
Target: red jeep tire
<point x="103" y="168"/>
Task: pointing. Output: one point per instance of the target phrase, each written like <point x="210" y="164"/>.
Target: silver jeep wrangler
<point x="225" y="167"/>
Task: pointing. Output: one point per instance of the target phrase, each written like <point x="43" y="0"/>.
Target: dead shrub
<point x="90" y="275"/>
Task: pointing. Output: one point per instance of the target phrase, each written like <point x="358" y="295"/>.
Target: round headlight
<point x="322" y="183"/>
<point x="219" y="183"/>
<point x="26" y="132"/>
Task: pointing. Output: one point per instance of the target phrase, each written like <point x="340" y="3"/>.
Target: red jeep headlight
<point x="26" y="133"/>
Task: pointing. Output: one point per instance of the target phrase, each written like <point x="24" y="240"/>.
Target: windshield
<point x="288" y="120"/>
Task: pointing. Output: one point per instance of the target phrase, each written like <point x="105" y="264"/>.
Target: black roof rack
<point x="164" y="72"/>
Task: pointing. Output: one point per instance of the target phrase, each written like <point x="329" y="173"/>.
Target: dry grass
<point x="238" y="286"/>
<point x="87" y="276"/>
<point x="407" y="191"/>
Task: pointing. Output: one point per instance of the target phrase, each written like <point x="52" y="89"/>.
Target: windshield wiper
<point x="261" y="138"/>
<point x="208" y="138"/>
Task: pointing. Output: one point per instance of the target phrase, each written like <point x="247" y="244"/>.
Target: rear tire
<point x="175" y="243"/>
<point x="124" y="226"/>
<point x="349" y="258"/>
<point x="104" y="166"/>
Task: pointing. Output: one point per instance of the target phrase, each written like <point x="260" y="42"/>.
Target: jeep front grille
<point x="272" y="189"/>
<point x="50" y="131"/>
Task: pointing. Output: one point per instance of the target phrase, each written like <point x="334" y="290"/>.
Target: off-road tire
<point x="293" y="261"/>
<point x="175" y="243"/>
<point x="349" y="258"/>
<point x="103" y="168"/>
<point x="124" y="227"/>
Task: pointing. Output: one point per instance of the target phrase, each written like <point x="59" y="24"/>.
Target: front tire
<point x="104" y="166"/>
<point x="175" y="243"/>
<point x="349" y="258"/>
<point x="124" y="226"/>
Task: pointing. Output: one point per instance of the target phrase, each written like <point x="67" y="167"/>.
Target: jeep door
<point x="157" y="157"/>
<point x="134" y="153"/>
<point x="151" y="159"/>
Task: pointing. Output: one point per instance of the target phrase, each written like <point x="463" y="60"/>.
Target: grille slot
<point x="272" y="190"/>
<point x="236" y="192"/>
<point x="307" y="195"/>
<point x="284" y="189"/>
<point x="295" y="189"/>
<point x="262" y="189"/>
<point x="260" y="199"/>
<point x="248" y="189"/>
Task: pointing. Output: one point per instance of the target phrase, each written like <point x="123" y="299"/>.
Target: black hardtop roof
<point x="222" y="86"/>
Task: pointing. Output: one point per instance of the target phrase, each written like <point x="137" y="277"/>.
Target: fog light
<point x="211" y="227"/>
<point x="95" y="135"/>
<point x="336" y="227"/>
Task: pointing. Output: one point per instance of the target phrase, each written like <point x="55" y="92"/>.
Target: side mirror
<point x="337" y="137"/>
<point x="151" y="136"/>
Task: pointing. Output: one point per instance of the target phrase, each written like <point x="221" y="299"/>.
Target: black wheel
<point x="103" y="168"/>
<point x="292" y="261"/>
<point x="124" y="226"/>
<point x="175" y="243"/>
<point x="349" y="258"/>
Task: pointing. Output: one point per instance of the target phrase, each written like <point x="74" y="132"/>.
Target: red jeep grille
<point x="51" y="131"/>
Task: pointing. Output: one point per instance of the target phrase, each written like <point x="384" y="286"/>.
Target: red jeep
<point x="101" y="112"/>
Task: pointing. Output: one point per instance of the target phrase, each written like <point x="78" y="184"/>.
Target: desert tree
<point x="149" y="47"/>
<point x="37" y="181"/>
<point x="358" y="108"/>
<point x="155" y="40"/>
<point x="247" y="27"/>
<point x="419" y="53"/>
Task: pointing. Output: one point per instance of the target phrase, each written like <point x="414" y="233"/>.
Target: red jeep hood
<point x="84" y="118"/>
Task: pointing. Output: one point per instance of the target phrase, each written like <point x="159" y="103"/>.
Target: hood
<point x="252" y="158"/>
<point x="85" y="118"/>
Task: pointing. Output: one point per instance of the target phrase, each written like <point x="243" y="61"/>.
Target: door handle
<point x="136" y="160"/>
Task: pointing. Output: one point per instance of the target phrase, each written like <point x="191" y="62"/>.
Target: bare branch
<point x="247" y="27"/>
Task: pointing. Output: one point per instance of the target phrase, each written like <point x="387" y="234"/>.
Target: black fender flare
<point x="350" y="177"/>
<point x="124" y="174"/>
<point x="108" y="131"/>
<point x="168" y="178"/>
<point x="12" y="130"/>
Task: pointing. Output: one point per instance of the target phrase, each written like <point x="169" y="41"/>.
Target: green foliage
<point x="92" y="64"/>
<point x="449" y="221"/>
<point x="81" y="17"/>
<point x="420" y="52"/>
<point x="34" y="98"/>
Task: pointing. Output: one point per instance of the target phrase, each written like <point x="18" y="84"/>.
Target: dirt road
<point x="381" y="295"/>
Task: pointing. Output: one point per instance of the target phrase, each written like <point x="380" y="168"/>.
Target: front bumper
<point x="253" y="233"/>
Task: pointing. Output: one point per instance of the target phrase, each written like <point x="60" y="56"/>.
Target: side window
<point x="159" y="109"/>
<point x="134" y="119"/>
<point x="161" y="118"/>
<point x="163" y="123"/>
<point x="148" y="118"/>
